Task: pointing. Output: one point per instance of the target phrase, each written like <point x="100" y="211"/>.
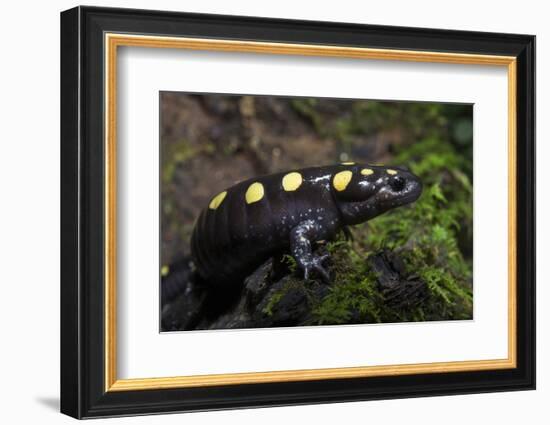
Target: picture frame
<point x="90" y="41"/>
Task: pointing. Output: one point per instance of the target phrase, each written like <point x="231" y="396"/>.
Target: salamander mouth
<point x="411" y="196"/>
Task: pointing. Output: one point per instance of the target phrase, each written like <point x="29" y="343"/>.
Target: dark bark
<point x="271" y="298"/>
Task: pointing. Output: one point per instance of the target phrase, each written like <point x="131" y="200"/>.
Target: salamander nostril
<point x="397" y="183"/>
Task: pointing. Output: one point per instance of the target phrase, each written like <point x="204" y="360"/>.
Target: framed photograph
<point x="261" y="212"/>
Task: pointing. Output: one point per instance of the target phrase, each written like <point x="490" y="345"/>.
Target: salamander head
<point x="364" y="192"/>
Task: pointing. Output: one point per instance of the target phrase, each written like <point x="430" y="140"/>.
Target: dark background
<point x="210" y="142"/>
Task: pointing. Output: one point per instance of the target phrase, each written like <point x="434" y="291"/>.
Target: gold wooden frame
<point x="113" y="41"/>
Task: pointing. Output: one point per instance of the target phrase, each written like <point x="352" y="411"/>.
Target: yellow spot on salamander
<point x="341" y="180"/>
<point x="366" y="171"/>
<point x="254" y="193"/>
<point x="348" y="163"/>
<point x="391" y="172"/>
<point x="217" y="200"/>
<point x="164" y="271"/>
<point x="292" y="181"/>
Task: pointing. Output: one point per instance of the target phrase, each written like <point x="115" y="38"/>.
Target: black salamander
<point x="263" y="217"/>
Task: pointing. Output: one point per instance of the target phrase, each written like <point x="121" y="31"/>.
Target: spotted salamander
<point x="263" y="217"/>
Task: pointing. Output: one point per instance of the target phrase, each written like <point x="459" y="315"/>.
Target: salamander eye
<point x="397" y="183"/>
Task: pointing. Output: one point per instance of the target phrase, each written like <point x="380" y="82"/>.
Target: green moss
<point x="427" y="233"/>
<point x="290" y="262"/>
<point x="353" y="296"/>
<point x="273" y="301"/>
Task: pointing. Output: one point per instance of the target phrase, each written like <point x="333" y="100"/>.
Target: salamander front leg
<point x="301" y="237"/>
